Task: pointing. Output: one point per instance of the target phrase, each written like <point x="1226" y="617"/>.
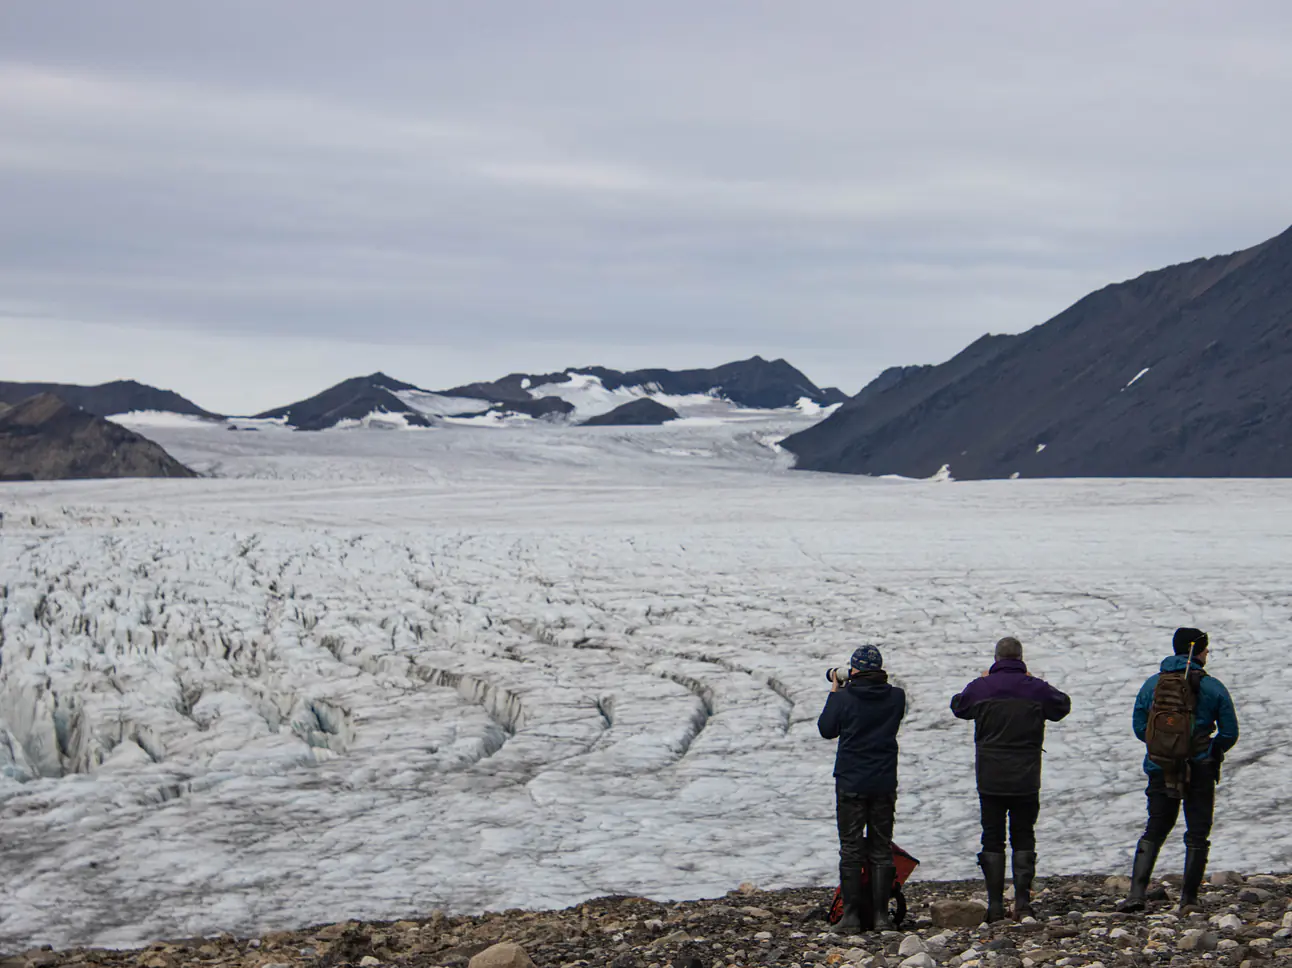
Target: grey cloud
<point x="845" y="185"/>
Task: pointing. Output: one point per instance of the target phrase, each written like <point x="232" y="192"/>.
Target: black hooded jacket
<point x="865" y="715"/>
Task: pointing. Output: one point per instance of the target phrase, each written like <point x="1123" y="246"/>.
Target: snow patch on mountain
<point x="439" y="405"/>
<point x="590" y="397"/>
<point x="137" y="419"/>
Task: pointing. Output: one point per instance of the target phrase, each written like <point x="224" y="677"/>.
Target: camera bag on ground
<point x="903" y="864"/>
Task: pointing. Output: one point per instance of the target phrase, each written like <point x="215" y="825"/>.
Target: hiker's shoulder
<point x="1213" y="686"/>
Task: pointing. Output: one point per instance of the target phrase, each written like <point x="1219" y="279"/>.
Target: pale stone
<point x="763" y="936"/>
<point x="1226" y="878"/>
<point x="368" y="961"/>
<point x="1118" y="882"/>
<point x="1230" y="922"/>
<point x="911" y="945"/>
<point x="1197" y="939"/>
<point x="505" y="954"/>
<point x="920" y="960"/>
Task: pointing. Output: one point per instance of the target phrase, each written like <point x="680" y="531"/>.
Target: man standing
<point x="1184" y="708"/>
<point x="1009" y="709"/>
<point x="864" y="712"/>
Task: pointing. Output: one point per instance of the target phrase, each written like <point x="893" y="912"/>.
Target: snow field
<point x="367" y="675"/>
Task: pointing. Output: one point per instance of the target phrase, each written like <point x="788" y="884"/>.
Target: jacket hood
<point x="1009" y="665"/>
<point x="1176" y="663"/>
<point x="867" y="689"/>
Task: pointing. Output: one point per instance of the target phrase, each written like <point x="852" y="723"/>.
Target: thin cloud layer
<point x="302" y="190"/>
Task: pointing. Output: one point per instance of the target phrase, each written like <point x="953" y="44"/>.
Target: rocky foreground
<point x="1247" y="923"/>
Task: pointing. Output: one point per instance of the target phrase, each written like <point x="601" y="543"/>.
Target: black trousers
<point x="1199" y="805"/>
<point x="1021" y="813"/>
<point x="865" y="828"/>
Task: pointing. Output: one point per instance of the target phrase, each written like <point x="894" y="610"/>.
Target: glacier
<point x="358" y="674"/>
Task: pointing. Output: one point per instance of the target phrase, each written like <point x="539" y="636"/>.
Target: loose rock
<point x="958" y="914"/>
<point x="505" y="954"/>
<point x="911" y="945"/>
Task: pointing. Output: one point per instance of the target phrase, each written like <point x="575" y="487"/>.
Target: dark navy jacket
<point x="1213" y="714"/>
<point x="865" y="716"/>
<point x="1009" y="709"/>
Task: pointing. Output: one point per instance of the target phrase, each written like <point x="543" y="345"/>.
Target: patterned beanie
<point x="867" y="659"/>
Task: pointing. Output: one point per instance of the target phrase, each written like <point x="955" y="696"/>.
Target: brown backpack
<point x="1169" y="737"/>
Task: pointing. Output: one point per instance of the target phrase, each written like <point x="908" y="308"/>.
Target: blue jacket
<point x="1009" y="709"/>
<point x="1214" y="714"/>
<point x="865" y="715"/>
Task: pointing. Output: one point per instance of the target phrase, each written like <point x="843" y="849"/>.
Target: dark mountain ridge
<point x="642" y="412"/>
<point x="107" y="399"/>
<point x="44" y="438"/>
<point x="750" y="383"/>
<point x="352" y="399"/>
<point x="1181" y="372"/>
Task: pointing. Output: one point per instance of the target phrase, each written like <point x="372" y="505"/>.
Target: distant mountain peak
<point x="108" y="399"/>
<point x="1210" y="340"/>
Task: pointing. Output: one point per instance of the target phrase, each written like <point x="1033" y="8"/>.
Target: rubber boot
<point x="1195" y="865"/>
<point x="1024" y="872"/>
<point x="881" y="886"/>
<point x="850" y="884"/>
<point x="1145" y="859"/>
<point x="993" y="873"/>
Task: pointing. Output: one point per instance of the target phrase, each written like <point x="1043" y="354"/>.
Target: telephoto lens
<point x="838" y="675"/>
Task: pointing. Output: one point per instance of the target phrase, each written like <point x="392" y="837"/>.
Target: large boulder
<point x="505" y="954"/>
<point x="958" y="914"/>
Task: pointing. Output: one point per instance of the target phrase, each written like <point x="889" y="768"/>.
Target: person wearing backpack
<point x="864" y="712"/>
<point x="1187" y="722"/>
<point x="1009" y="709"/>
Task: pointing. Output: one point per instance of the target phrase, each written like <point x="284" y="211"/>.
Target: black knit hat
<point x="1189" y="639"/>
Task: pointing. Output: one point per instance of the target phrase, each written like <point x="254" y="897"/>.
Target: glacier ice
<point x="368" y="675"/>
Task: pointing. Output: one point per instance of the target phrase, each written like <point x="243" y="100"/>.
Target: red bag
<point x="903" y="864"/>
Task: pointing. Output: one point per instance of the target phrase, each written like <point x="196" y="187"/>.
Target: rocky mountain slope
<point x="1245" y="922"/>
<point x="576" y="393"/>
<point x="353" y="399"/>
<point x="45" y="438"/>
<point x="638" y="413"/>
<point x="1181" y="372"/>
<point x="106" y="399"/>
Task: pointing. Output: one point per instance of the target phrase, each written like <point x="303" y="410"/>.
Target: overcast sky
<point x="248" y="200"/>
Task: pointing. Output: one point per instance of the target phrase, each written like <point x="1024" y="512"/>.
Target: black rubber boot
<point x="881" y="886"/>
<point x="1195" y="865"/>
<point x="1145" y="859"/>
<point x="850" y="883"/>
<point x="993" y="872"/>
<point x="1024" y="872"/>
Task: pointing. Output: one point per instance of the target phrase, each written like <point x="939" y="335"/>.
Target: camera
<point x="841" y="675"/>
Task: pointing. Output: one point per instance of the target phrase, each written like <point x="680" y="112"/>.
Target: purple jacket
<point x="1009" y="709"/>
